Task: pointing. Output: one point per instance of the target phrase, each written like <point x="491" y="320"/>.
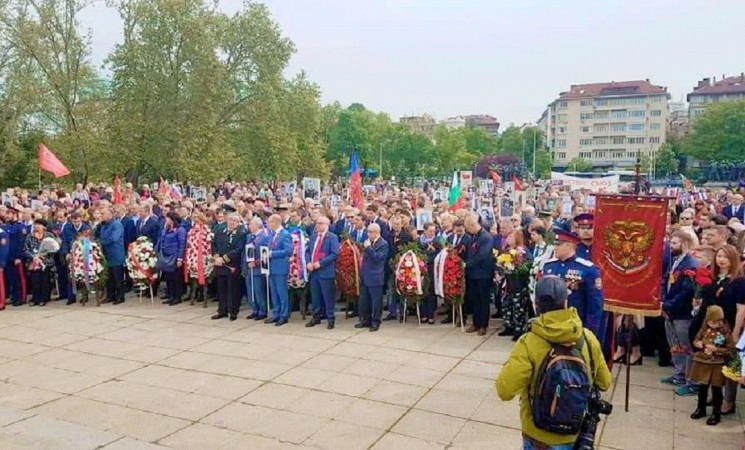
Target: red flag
<point x="495" y="177"/>
<point x="518" y="183"/>
<point x="118" y="191"/>
<point x="49" y="162"/>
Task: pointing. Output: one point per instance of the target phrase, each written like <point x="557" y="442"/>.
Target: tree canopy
<point x="719" y="133"/>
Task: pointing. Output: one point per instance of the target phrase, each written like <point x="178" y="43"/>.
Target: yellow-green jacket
<point x="520" y="371"/>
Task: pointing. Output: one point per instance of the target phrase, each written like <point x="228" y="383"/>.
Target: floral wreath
<point x="141" y="260"/>
<point x="87" y="261"/>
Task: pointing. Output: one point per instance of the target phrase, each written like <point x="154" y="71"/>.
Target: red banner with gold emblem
<point x="627" y="247"/>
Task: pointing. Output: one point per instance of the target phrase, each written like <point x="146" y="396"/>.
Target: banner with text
<point x="607" y="184"/>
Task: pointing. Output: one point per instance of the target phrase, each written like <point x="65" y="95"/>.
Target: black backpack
<point x="559" y="398"/>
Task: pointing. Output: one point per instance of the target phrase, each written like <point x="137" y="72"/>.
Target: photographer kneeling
<point x="558" y="369"/>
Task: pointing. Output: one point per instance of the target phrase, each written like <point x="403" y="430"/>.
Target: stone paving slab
<point x="141" y="376"/>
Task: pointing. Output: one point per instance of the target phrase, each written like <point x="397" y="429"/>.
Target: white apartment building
<point x="707" y="92"/>
<point x="608" y="124"/>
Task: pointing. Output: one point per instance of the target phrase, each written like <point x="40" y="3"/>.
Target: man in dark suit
<point x="676" y="308"/>
<point x="460" y="241"/>
<point x="70" y="232"/>
<point x="735" y="208"/>
<point x="129" y="221"/>
<point x="359" y="232"/>
<point x="479" y="274"/>
<point x="321" y="257"/>
<point x="372" y="275"/>
<point x="373" y="217"/>
<point x="397" y="238"/>
<point x="147" y="225"/>
<point x="227" y="247"/>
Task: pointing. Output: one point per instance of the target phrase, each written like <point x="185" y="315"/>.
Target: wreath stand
<point x="460" y="316"/>
<point x="405" y="311"/>
<point x="152" y="297"/>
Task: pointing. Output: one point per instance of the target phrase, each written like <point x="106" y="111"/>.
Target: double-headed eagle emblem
<point x="627" y="243"/>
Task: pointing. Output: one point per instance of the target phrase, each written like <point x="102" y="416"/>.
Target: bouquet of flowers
<point x="199" y="262"/>
<point x="702" y="277"/>
<point x="141" y="259"/>
<point x="48" y="246"/>
<point x="733" y="369"/>
<point x="297" y="278"/>
<point x="513" y="262"/>
<point x="348" y="265"/>
<point x="411" y="272"/>
<point x="87" y="261"/>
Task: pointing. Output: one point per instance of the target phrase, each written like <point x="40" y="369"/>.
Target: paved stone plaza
<point x="137" y="376"/>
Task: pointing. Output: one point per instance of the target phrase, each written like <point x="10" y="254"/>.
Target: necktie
<point x="317" y="247"/>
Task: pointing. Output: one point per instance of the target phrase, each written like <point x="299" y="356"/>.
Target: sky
<point x="505" y="58"/>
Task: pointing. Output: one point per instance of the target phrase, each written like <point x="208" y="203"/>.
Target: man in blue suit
<point x="677" y="308"/>
<point x="359" y="232"/>
<point x="255" y="282"/>
<point x="112" y="241"/>
<point x="372" y="274"/>
<point x="280" y="250"/>
<point x="321" y="257"/>
<point x="70" y="232"/>
<point x="735" y="208"/>
<point x="479" y="274"/>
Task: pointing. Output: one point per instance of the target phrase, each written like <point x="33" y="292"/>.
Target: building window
<point x="617" y="155"/>
<point x="585" y="103"/>
<point x="584" y="129"/>
<point x="617" y="140"/>
<point x="635" y="140"/>
<point x="656" y="98"/>
<point x="600" y="128"/>
<point x="654" y="140"/>
<point x="654" y="126"/>
<point x="618" y="127"/>
<point x="599" y="154"/>
<point x="601" y="115"/>
<point x="618" y="114"/>
<point x="637" y="113"/>
<point x="585" y="155"/>
<point x="600" y="102"/>
<point x="561" y="142"/>
<point x="655" y="113"/>
<point x="562" y="155"/>
<point x="562" y="130"/>
<point x="562" y="104"/>
<point x="636" y="127"/>
<point x="603" y="140"/>
<point x="561" y="117"/>
<point x="585" y="116"/>
<point x="698" y="111"/>
<point x="583" y="142"/>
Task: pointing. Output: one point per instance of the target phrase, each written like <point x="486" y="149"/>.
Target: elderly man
<point x="280" y="250"/>
<point x="321" y="255"/>
<point x="735" y="208"/>
<point x="255" y="281"/>
<point x="372" y="275"/>
<point x="479" y="274"/>
<point x="112" y="241"/>
<point x="227" y="247"/>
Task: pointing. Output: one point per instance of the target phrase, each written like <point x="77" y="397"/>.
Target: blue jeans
<point x="529" y="445"/>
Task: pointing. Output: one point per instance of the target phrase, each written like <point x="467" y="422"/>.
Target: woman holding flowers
<point x="39" y="250"/>
<point x="514" y="265"/>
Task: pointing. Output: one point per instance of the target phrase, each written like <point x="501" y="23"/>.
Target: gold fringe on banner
<point x="634" y="311"/>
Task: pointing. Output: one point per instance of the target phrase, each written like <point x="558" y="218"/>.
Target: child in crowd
<point x="713" y="344"/>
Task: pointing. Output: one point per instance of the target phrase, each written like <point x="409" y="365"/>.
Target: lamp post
<point x="637" y="175"/>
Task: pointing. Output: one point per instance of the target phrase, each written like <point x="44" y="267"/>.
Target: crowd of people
<point x="209" y="245"/>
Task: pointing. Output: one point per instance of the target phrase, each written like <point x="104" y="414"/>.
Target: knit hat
<point x="714" y="313"/>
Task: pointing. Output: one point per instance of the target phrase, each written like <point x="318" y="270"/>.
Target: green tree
<point x="719" y="133"/>
<point x="579" y="165"/>
<point x="665" y="162"/>
<point x="543" y="164"/>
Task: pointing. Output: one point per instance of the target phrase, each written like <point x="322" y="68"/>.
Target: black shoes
<point x="218" y="316"/>
<point x="330" y="326"/>
<point x="312" y="323"/>
<point x="260" y="317"/>
<point x="374" y="328"/>
<point x="251" y="316"/>
<point x="362" y="325"/>
<point x="268" y="321"/>
<point x="280" y="322"/>
<point x="70" y="302"/>
<point x="506" y="332"/>
<point x="389" y="317"/>
<point x="233" y="317"/>
<point x="715" y="418"/>
<point x="446" y="320"/>
<point x="698" y="413"/>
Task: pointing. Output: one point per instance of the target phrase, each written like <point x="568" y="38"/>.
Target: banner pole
<point x="631" y="330"/>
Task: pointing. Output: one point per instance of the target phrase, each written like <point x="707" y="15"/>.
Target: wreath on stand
<point x="450" y="279"/>
<point x="348" y="265"/>
<point x="141" y="260"/>
<point x="410" y="269"/>
<point x="88" y="265"/>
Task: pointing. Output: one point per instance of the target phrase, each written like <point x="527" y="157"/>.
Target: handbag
<point x="165" y="263"/>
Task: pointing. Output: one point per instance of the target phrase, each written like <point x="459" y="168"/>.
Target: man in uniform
<point x="255" y="281"/>
<point x="15" y="273"/>
<point x="227" y="247"/>
<point x="582" y="279"/>
<point x="584" y="223"/>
